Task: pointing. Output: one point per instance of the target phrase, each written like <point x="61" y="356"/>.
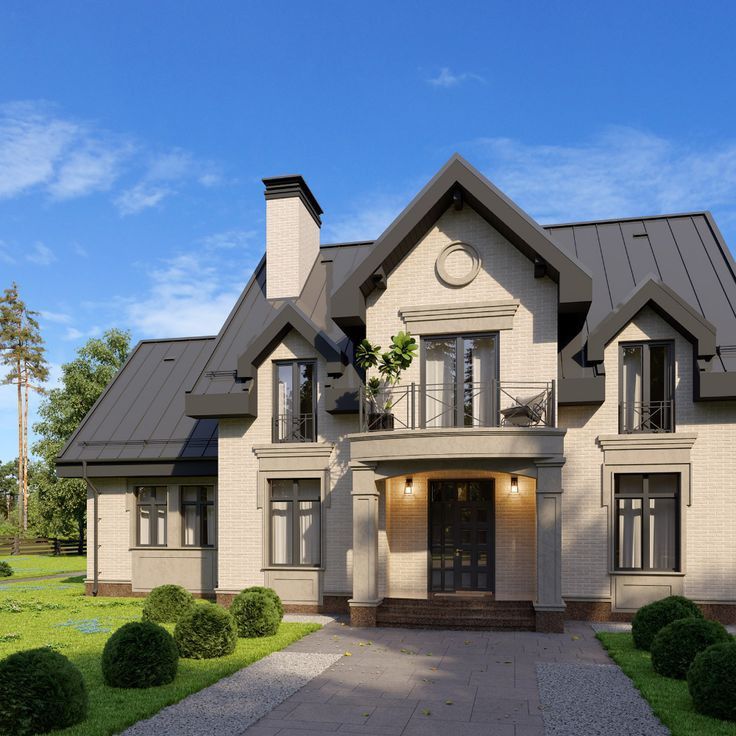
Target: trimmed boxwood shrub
<point x="40" y="690"/>
<point x="205" y="632"/>
<point x="140" y="654"/>
<point x="711" y="680"/>
<point x="675" y="646"/>
<point x="5" y="570"/>
<point x="270" y="592"/>
<point x="255" y="614"/>
<point x="651" y="618"/>
<point x="166" y="604"/>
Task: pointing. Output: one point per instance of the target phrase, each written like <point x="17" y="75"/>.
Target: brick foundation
<point x="549" y="622"/>
<point x="125" y="590"/>
<point x="363" y="616"/>
<point x="594" y="611"/>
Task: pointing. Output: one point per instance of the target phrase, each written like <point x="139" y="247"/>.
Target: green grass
<point x="669" y="698"/>
<point x="56" y="613"/>
<point x="30" y="566"/>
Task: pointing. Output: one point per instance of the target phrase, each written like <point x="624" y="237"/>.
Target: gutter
<point x="95" y="526"/>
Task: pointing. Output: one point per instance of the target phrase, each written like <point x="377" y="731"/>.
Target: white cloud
<point x="621" y="172"/>
<point x="190" y="294"/>
<point x="80" y="250"/>
<point x="5" y="256"/>
<point x="73" y="334"/>
<point x="62" y="156"/>
<point x="59" y="318"/>
<point x="366" y="218"/>
<point x="140" y="197"/>
<point x="41" y="255"/>
<point x="447" y="78"/>
<point x="230" y="239"/>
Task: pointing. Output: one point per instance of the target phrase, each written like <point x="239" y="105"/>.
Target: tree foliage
<point x="60" y="503"/>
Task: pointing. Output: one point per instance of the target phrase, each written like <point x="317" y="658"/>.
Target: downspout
<point x="95" y="526"/>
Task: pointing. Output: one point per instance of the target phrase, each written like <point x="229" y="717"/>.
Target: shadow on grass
<point x="73" y="579"/>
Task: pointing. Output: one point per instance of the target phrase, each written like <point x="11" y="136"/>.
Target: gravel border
<point x="234" y="703"/>
<point x="613" y="627"/>
<point x="312" y="618"/>
<point x="595" y="700"/>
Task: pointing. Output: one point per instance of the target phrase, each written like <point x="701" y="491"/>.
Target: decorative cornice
<point x="644" y="442"/>
<point x="294" y="450"/>
<point x="497" y="315"/>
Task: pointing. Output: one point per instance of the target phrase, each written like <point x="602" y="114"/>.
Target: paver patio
<point x="414" y="682"/>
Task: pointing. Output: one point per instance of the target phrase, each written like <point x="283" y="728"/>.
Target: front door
<point x="461" y="540"/>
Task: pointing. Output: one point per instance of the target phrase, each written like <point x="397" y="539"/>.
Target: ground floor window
<point x="151" y="515"/>
<point x="198" y="513"/>
<point x="647" y="521"/>
<point x="295" y="522"/>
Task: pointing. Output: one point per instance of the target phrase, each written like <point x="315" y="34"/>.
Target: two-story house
<point x="561" y="446"/>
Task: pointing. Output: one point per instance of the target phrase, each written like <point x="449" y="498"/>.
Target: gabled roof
<point x="458" y="182"/>
<point x="140" y="415"/>
<point x="672" y="307"/>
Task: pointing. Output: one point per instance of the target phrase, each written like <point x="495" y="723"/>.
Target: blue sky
<point x="133" y="136"/>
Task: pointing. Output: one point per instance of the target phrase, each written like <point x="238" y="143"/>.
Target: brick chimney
<point x="292" y="235"/>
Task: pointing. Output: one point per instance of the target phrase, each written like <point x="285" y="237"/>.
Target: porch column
<point x="365" y="598"/>
<point x="548" y="605"/>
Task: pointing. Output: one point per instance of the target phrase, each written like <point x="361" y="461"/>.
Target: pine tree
<point x="22" y="351"/>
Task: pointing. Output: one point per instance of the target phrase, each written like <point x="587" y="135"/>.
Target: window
<point x="459" y="375"/>
<point x="295" y="522"/>
<point x="198" y="514"/>
<point x="647" y="387"/>
<point x="647" y="521"/>
<point x="151" y="512"/>
<point x="295" y="406"/>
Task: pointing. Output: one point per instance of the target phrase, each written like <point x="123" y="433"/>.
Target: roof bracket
<point x="540" y="268"/>
<point x="457" y="198"/>
<point x="379" y="278"/>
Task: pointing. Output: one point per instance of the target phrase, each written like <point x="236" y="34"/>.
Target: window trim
<point x="458" y="337"/>
<point x="295" y="367"/>
<point x="153" y="517"/>
<point x="645" y="497"/>
<point x="646" y="381"/>
<point x="201" y="522"/>
<point x="295" y="540"/>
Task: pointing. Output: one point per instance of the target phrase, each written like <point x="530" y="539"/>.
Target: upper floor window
<point x="198" y="512"/>
<point x="647" y="521"/>
<point x="295" y="401"/>
<point x="295" y="522"/>
<point x="459" y="373"/>
<point x="647" y="387"/>
<point x="151" y="515"/>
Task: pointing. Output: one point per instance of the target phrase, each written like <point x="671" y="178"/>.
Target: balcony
<point x="491" y="404"/>
<point x="646" y="416"/>
<point x="294" y="428"/>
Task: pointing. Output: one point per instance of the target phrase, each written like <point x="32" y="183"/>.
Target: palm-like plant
<point x="390" y="365"/>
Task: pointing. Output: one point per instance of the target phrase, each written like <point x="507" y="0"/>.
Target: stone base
<point x="595" y="611"/>
<point x="549" y="622"/>
<point x="363" y="616"/>
<point x="125" y="590"/>
<point x="330" y="604"/>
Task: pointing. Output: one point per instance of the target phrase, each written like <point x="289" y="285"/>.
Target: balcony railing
<point x="647" y="416"/>
<point x="293" y="428"/>
<point x="436" y="405"/>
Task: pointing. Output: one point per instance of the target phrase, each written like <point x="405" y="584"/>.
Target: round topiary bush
<point x="140" y="654"/>
<point x="675" y="646"/>
<point x="711" y="681"/>
<point x="5" y="570"/>
<point x="40" y="690"/>
<point x="651" y="618"/>
<point x="270" y="592"/>
<point x="205" y="632"/>
<point x="166" y="604"/>
<point x="255" y="614"/>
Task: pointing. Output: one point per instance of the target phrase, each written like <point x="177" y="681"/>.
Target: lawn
<point x="56" y="613"/>
<point x="669" y="698"/>
<point x="30" y="566"/>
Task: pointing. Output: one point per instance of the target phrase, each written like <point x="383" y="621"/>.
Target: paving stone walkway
<point x="411" y="682"/>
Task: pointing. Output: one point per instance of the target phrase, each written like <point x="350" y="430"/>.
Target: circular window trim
<point x="441" y="264"/>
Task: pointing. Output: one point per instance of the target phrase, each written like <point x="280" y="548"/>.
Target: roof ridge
<point x="613" y="220"/>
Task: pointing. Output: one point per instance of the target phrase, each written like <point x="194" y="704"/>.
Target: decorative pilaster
<point x="549" y="606"/>
<point x="365" y="495"/>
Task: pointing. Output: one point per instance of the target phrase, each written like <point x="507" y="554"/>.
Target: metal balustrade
<point x="294" y="428"/>
<point x="478" y="404"/>
<point x="646" y="416"/>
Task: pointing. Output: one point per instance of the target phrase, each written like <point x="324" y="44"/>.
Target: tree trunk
<point x="25" y="452"/>
<point x="21" y="499"/>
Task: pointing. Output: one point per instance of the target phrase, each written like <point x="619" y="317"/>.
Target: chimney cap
<point x="293" y="185"/>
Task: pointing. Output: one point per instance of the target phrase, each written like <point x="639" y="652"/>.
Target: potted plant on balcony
<point x="390" y="364"/>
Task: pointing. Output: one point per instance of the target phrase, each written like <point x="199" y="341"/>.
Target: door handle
<point x="458" y="551"/>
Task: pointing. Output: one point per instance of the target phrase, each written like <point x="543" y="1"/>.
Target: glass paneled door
<point x="461" y="527"/>
<point x="459" y="379"/>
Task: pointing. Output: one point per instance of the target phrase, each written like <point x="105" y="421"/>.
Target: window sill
<point x="171" y="549"/>
<point x="649" y="573"/>
<point x="295" y="568"/>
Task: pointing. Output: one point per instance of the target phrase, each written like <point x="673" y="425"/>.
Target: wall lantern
<point x="408" y="487"/>
<point x="514" y="484"/>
